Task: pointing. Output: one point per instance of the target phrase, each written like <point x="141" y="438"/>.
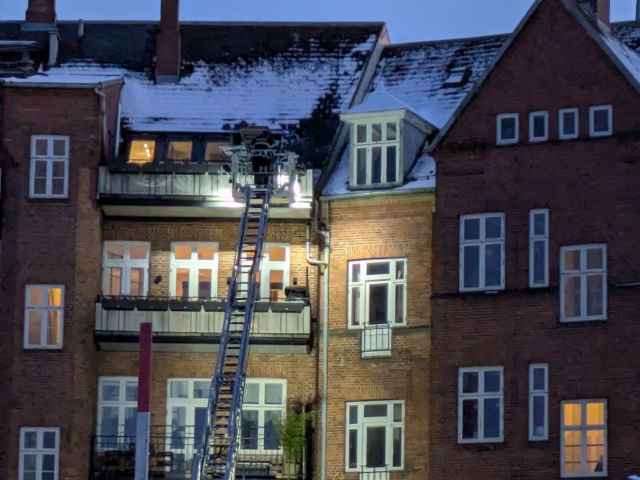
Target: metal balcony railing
<point x="171" y="450"/>
<point x="374" y="473"/>
<point x="198" y="317"/>
<point x="376" y="341"/>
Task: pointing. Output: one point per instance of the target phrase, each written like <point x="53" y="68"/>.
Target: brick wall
<point x="590" y="189"/>
<point x="381" y="227"/>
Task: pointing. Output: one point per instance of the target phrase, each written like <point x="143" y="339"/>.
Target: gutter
<point x="103" y="114"/>
<point x="346" y="196"/>
<point x="36" y="84"/>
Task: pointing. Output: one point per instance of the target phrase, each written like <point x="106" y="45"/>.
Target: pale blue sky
<point x="408" y="20"/>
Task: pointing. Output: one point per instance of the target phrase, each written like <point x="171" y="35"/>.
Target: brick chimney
<point x="601" y="10"/>
<point x="168" y="48"/>
<point x="41" y="11"/>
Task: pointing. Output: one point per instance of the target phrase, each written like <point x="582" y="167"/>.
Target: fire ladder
<point x="216" y="457"/>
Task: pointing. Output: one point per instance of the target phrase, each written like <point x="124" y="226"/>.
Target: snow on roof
<point x="59" y="79"/>
<point x="379" y="102"/>
<point x="629" y="59"/>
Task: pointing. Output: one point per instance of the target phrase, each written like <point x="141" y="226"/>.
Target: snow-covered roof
<point x="627" y="57"/>
<point x="380" y="101"/>
<point x="60" y="79"/>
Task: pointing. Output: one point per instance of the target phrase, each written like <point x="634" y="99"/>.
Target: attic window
<point x="180" y="151"/>
<point x="213" y="152"/>
<point x="376" y="157"/>
<point x="458" y="77"/>
<point x="142" y="151"/>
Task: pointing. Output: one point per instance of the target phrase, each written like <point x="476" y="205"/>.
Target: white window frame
<point x="480" y="396"/>
<point x="533" y="240"/>
<point x="126" y="264"/>
<point x="39" y="451"/>
<point x="561" y="133"/>
<point x="122" y="404"/>
<point x="194" y="265"/>
<point x="43" y="323"/>
<point x="532" y="117"/>
<point x="499" y="119"/>
<point x="369" y="145"/>
<point x="583" y="273"/>
<point x="49" y="158"/>
<point x="482" y="242"/>
<point x="536" y="393"/>
<point x="266" y="266"/>
<point x="261" y="407"/>
<point x="363" y="285"/>
<point x="583" y="427"/>
<point x="592" y="112"/>
<point x="387" y="422"/>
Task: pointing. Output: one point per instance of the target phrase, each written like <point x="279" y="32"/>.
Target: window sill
<point x="482" y="445"/>
<point x="375" y="186"/>
<point x="48" y="200"/>
<point x="42" y="349"/>
<point x="584" y="321"/>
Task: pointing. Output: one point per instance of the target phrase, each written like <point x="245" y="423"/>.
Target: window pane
<point x="397" y="446"/>
<point x="572" y="414"/>
<point x="376" y="447"/>
<point x="57" y="169"/>
<point x="595" y="295"/>
<point x="35" y="296"/>
<point x="539" y="261"/>
<point x="53" y="328"/>
<point x="472" y="229"/>
<point x="182" y="252"/>
<point x="399" y="270"/>
<point x="399" y="303"/>
<point x="539" y="379"/>
<point x="276" y="285"/>
<point x="355" y="272"/>
<point x="601" y="120"/>
<point x="178" y="426"/>
<point x="569" y="123"/>
<point x="30" y="462"/>
<point x="539" y="224"/>
<point x="493" y="265"/>
<point x="41" y="147"/>
<point x="179" y="389"/>
<point x="204" y="283"/>
<point x="353" y="415"/>
<point x="361" y="167"/>
<point x="392" y="131"/>
<point x="353" y="449"/>
<point x="57" y="186"/>
<point x="201" y="389"/>
<point x="142" y="151"/>
<point x="206" y="252"/>
<point x="355" y="306"/>
<point x="572" y="260"/>
<point x="41" y="169"/>
<point x="469" y="419"/>
<point x="114" y="281"/>
<point x="471" y="273"/>
<point x="54" y="298"/>
<point x="493" y="227"/>
<point x="40" y="186"/>
<point x="136" y="288"/>
<point x="115" y="251"/>
<point x="595" y="258"/>
<point x="392" y="174"/>
<point x="470" y="382"/>
<point x="397" y="412"/>
<point x="376" y="165"/>
<point x="595" y="414"/>
<point x="538" y="416"/>
<point x="59" y="147"/>
<point x="249" y="430"/>
<point x="130" y="421"/>
<point x="376" y="132"/>
<point x="35" y="327"/>
<point x="131" y="392"/>
<point x="180" y="151"/>
<point x="110" y="391"/>
<point x="109" y="424"/>
<point x="273" y="394"/>
<point x="380" y="268"/>
<point x="138" y="252"/>
<point x="200" y="417"/>
<point x="378" y="304"/>
<point x="539" y="126"/>
<point x="361" y="135"/>
<point x="31" y="476"/>
<point x="508" y="128"/>
<point x="491" y="418"/>
<point x="31" y="440"/>
<point x="379" y="410"/>
<point x="272" y="419"/>
<point x="492" y="380"/>
<point x="182" y="282"/>
<point x="252" y="393"/>
<point x="571" y="297"/>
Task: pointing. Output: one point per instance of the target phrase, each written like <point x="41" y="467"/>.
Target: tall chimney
<point x="41" y="11"/>
<point x="168" y="48"/>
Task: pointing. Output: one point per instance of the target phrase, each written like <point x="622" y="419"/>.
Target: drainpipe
<point x="325" y="340"/>
<point x="103" y="114"/>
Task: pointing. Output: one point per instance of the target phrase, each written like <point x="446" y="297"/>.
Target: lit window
<point x="213" y="152"/>
<point x="480" y="404"/>
<point x="194" y="270"/>
<point x="601" y="121"/>
<point x="376" y="158"/>
<point x="482" y="252"/>
<point x="263" y="408"/>
<point x="142" y="151"/>
<point x="180" y="151"/>
<point x="568" y="121"/>
<point x="508" y="129"/>
<point x="44" y="316"/>
<point x="539" y="248"/>
<point x="583" y="279"/>
<point x="275" y="268"/>
<point x="117" y="407"/>
<point x="49" y="177"/>
<point x="126" y="269"/>
<point x="538" y="402"/>
<point x="538" y="126"/>
<point x="584" y="438"/>
<point x="374" y="437"/>
<point x="39" y="448"/>
<point x="377" y="292"/>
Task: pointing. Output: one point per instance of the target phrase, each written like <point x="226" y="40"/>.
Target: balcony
<point x="196" y="324"/>
<point x="376" y="341"/>
<point x="164" y="190"/>
<point x="171" y="452"/>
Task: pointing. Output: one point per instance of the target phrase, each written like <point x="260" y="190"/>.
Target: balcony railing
<point x="117" y="316"/>
<point x="375" y="473"/>
<point x="171" y="450"/>
<point x="376" y="341"/>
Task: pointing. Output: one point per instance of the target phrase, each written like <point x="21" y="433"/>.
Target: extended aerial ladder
<point x="274" y="173"/>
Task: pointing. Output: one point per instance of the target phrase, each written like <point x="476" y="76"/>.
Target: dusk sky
<point x="408" y="20"/>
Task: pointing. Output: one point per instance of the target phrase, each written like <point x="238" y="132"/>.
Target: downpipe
<point x="103" y="115"/>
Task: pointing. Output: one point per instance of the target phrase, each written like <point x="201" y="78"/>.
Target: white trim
<point x="369" y="144"/>
<point x="43" y="308"/>
<point x="582" y="428"/>
<point x="360" y="427"/>
<point x="480" y="396"/>
<point x="268" y="265"/>
<point x="537" y="238"/>
<point x="126" y="264"/>
<point x="122" y="404"/>
<point x="592" y="112"/>
<point x="508" y="141"/>
<point x="534" y="393"/>
<point x="481" y="242"/>
<point x="39" y="451"/>
<point x="49" y="159"/>
<point x="582" y="273"/>
<point x="561" y="133"/>
<point x="194" y="265"/>
<point x="532" y="116"/>
<point x="261" y="408"/>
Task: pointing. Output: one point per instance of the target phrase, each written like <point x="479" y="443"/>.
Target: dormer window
<point x="458" y="77"/>
<point x="180" y="150"/>
<point x="376" y="156"/>
<point x="142" y="151"/>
